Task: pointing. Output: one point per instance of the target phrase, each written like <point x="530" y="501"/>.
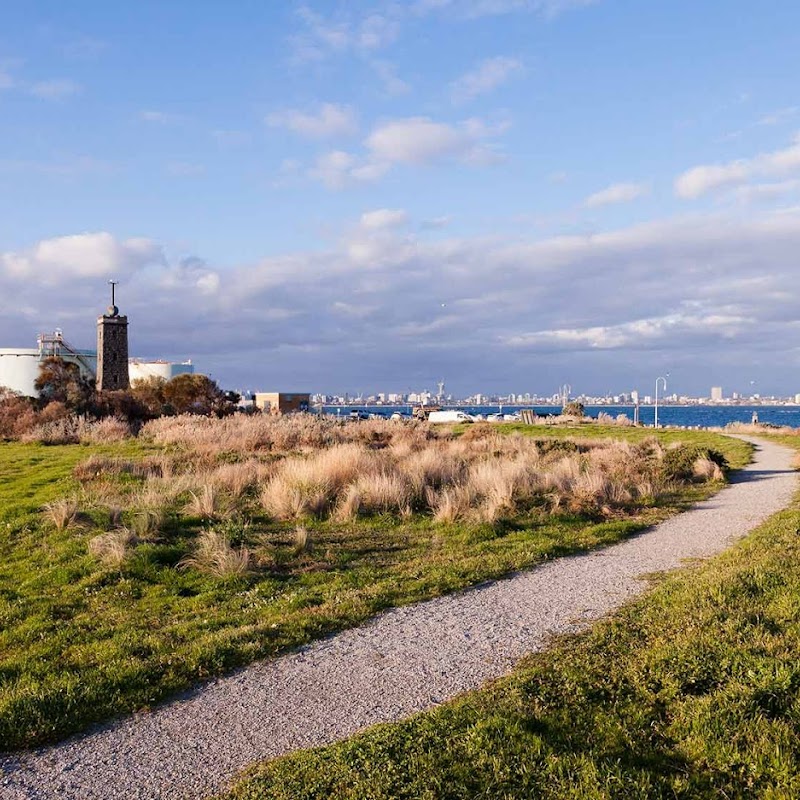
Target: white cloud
<point x="415" y="140"/>
<point x="412" y="141"/>
<point x="56" y="89"/>
<point x="640" y="333"/>
<point x="705" y="178"/>
<point x="330" y="121"/>
<point x="6" y="81"/>
<point x="485" y="77"/>
<point x="383" y="218"/>
<point x="338" y="169"/>
<point x="617" y="193"/>
<point x="761" y="192"/>
<point x="188" y="274"/>
<point x="421" y="140"/>
<point x="86" y="255"/>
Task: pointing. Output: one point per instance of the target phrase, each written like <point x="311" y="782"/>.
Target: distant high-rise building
<point x="716" y="393"/>
<point x="112" y="349"/>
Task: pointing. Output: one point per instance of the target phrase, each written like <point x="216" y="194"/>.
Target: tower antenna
<point x="113" y="288"/>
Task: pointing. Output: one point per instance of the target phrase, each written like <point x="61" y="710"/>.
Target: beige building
<point x="282" y="403"/>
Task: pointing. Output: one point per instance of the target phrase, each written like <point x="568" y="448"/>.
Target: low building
<point x="282" y="402"/>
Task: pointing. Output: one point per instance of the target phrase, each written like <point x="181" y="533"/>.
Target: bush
<point x="678" y="462"/>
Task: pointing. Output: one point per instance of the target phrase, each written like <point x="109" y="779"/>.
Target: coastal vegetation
<point x="134" y="568"/>
<point x="692" y="691"/>
<point x="69" y="409"/>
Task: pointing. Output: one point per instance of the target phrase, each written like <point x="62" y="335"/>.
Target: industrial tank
<point x="19" y="366"/>
<point x="139" y="370"/>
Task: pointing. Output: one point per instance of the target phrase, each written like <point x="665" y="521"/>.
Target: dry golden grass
<point x="704" y="469"/>
<point x="214" y="555"/>
<point x="113" y="547"/>
<point x="236" y="479"/>
<point x="207" y="502"/>
<point x="258" y="433"/>
<point x="102" y="431"/>
<point x="482" y="477"/>
<point x="304" y="466"/>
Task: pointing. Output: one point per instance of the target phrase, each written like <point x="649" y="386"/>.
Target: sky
<point x="507" y="195"/>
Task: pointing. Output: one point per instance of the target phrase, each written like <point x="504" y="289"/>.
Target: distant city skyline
<point x="304" y="195"/>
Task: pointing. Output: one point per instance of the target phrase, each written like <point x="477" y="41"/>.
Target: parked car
<point x="449" y="416"/>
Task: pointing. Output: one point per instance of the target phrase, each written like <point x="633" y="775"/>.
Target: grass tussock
<point x="303" y="541"/>
<point x="215" y="556"/>
<point x="207" y="502"/>
<point x="114" y="547"/>
<point x="61" y="514"/>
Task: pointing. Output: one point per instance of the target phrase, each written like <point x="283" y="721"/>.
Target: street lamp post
<point x="660" y="378"/>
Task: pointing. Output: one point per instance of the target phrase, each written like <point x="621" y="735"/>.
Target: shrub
<point x="678" y="462"/>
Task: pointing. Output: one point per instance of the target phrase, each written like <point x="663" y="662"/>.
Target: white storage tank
<point x="139" y="370"/>
<point x="19" y="366"/>
<point x="19" y="369"/>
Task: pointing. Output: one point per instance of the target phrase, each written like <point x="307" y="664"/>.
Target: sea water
<point x="682" y="416"/>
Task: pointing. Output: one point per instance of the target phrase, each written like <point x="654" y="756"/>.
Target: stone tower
<point x="112" y="348"/>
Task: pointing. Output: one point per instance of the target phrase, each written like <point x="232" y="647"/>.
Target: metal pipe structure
<point x="660" y="378"/>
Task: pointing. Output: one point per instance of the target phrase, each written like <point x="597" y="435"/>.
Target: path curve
<point x="404" y="661"/>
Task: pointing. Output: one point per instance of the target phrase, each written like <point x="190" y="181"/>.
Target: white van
<point x="449" y="416"/>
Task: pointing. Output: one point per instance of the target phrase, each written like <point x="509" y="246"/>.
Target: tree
<point x="196" y="394"/>
<point x="61" y="381"/>
<point x="150" y="393"/>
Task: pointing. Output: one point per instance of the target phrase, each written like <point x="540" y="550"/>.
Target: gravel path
<point x="404" y="661"/>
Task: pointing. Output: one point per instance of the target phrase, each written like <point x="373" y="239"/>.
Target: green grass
<point x="692" y="691"/>
<point x="80" y="643"/>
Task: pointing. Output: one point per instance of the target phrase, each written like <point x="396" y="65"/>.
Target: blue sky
<point x="507" y="194"/>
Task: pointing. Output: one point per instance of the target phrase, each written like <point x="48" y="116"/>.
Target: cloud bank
<point x="385" y="308"/>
